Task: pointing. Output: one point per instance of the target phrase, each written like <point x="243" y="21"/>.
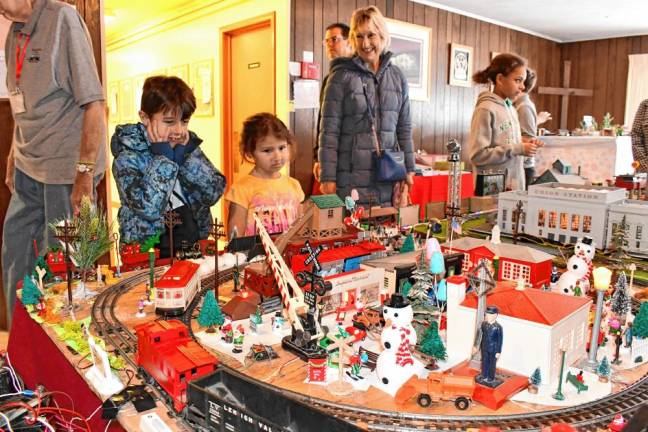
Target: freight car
<point x="167" y="355"/>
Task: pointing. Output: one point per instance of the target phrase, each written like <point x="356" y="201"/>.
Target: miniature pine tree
<point x="210" y="313"/>
<point x="640" y="325"/>
<point x="620" y="300"/>
<point x="620" y="239"/>
<point x="30" y="293"/>
<point x="423" y="281"/>
<point x="42" y="263"/>
<point x="432" y="344"/>
<point x="405" y="287"/>
<point x="603" y="368"/>
<point x="535" y="378"/>
<point x="408" y="244"/>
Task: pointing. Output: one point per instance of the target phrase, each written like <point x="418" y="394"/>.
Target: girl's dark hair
<point x="167" y="93"/>
<point x="502" y="64"/>
<point x="530" y="81"/>
<point x="259" y="126"/>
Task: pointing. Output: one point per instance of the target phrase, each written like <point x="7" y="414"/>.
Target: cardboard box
<point x="481" y="203"/>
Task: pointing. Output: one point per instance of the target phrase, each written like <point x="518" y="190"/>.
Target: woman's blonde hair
<point x="369" y="14"/>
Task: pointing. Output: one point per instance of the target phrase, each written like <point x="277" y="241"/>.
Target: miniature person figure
<point x="239" y="335"/>
<point x="490" y="344"/>
<point x="140" y="308"/>
<point x="99" y="276"/>
<point x="628" y="335"/>
<point x="356" y="361"/>
<point x="554" y="275"/>
<point x="226" y="330"/>
<point x="41" y="307"/>
<point x="618" y="341"/>
<point x="580" y="377"/>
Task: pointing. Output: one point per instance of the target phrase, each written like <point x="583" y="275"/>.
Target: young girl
<point x="495" y="142"/>
<point x="159" y="166"/>
<point x="275" y="198"/>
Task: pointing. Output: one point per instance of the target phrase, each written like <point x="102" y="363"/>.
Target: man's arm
<point x="93" y="135"/>
<point x="11" y="165"/>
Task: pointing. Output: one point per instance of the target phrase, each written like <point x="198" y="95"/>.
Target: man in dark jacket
<point x="490" y="345"/>
<point x="337" y="45"/>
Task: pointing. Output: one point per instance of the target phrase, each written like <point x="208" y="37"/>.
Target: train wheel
<point x="424" y="400"/>
<point x="462" y="403"/>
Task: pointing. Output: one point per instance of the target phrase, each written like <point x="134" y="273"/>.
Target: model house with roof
<point x="515" y="261"/>
<point x="560" y="172"/>
<point x="561" y="212"/>
<point x="537" y="326"/>
<point x="327" y="218"/>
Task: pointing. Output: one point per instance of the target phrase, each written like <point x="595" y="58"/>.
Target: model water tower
<point x="453" y="204"/>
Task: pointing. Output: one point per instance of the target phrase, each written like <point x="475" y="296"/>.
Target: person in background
<point x="57" y="155"/>
<point x="361" y="87"/>
<point x="265" y="191"/>
<point x="336" y="41"/>
<point x="158" y="166"/>
<point x="495" y="142"/>
<point x="639" y="134"/>
<point x="529" y="119"/>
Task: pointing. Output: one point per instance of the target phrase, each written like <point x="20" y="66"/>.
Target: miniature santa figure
<point x="227" y="333"/>
<point x="239" y="335"/>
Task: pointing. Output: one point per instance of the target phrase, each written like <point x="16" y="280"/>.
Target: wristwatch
<point x="84" y="168"/>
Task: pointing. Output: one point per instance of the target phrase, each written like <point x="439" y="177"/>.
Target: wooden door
<point x="248" y="85"/>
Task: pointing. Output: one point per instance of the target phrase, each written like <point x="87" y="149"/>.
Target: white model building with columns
<point x="537" y="325"/>
<point x="636" y="213"/>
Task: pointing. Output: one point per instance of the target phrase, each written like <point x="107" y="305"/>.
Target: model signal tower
<point x="453" y="204"/>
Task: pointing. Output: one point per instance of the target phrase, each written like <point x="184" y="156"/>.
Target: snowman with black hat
<point x="395" y="363"/>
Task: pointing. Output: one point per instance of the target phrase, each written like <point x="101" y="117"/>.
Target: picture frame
<point x="411" y="45"/>
<point x="138" y="89"/>
<point x="125" y="101"/>
<point x="180" y="71"/>
<point x="461" y="65"/>
<point x="488" y="184"/>
<point x="113" y="102"/>
<point x="202" y="79"/>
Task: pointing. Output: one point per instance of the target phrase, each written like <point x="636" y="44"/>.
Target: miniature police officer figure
<point x="489" y="340"/>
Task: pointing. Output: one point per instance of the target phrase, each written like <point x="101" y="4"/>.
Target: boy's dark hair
<point x="167" y="93"/>
<point x="259" y="126"/>
<point x="502" y="64"/>
<point x="343" y="28"/>
<point x="530" y="81"/>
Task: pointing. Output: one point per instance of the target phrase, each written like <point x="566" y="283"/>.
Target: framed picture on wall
<point x="126" y="101"/>
<point x="202" y="84"/>
<point x="113" y="102"/>
<point x="411" y="44"/>
<point x="138" y="89"/>
<point x="181" y="71"/>
<point x="461" y="65"/>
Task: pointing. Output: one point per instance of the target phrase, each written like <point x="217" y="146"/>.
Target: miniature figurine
<point x="356" y="362"/>
<point x="226" y="330"/>
<point x="490" y="340"/>
<point x="100" y="281"/>
<point x="317" y="369"/>
<point x="618" y="423"/>
<point x="577" y="271"/>
<point x="277" y="322"/>
<point x="239" y="335"/>
<point x="554" y="276"/>
<point x="628" y="335"/>
<point x="140" y="308"/>
<point x="618" y="341"/>
<point x="580" y="377"/>
<point x="395" y="363"/>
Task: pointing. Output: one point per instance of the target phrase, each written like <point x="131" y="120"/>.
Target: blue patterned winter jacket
<point x="145" y="174"/>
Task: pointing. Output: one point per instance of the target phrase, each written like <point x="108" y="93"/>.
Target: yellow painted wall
<point x="190" y="39"/>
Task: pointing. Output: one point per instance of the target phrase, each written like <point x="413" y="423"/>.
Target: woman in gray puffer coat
<point x="346" y="142"/>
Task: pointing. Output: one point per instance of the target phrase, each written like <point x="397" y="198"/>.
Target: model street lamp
<point x="602" y="278"/>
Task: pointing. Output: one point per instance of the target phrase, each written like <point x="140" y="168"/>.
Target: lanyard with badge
<point x="16" y="98"/>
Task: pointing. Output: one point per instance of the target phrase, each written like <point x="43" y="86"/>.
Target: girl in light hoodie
<point x="495" y="142"/>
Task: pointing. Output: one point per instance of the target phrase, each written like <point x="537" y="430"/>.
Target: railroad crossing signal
<point x="312" y="256"/>
<point x="310" y="298"/>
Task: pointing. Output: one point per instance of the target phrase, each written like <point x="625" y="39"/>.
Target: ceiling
<point x="559" y="20"/>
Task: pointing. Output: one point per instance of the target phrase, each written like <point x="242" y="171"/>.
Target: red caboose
<point x="172" y="358"/>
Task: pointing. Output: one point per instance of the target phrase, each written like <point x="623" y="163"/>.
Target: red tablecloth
<point x="39" y="361"/>
<point x="435" y="189"/>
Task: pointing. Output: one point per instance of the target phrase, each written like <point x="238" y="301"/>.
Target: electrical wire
<point x="6" y="421"/>
<point x="108" y="425"/>
<point x="45" y="423"/>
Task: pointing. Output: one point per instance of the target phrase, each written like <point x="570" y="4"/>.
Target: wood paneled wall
<point x="448" y="112"/>
<point x="601" y="65"/>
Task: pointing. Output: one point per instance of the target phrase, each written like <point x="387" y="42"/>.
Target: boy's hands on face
<point x="162" y="127"/>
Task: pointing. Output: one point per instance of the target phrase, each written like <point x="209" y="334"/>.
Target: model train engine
<point x="176" y="288"/>
<point x="167" y="355"/>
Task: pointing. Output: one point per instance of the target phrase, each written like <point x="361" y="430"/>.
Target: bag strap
<point x="372" y="122"/>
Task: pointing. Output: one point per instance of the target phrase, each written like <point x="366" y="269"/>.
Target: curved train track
<point x="587" y="416"/>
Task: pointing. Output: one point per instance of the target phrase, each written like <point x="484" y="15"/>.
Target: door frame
<point x="226" y="34"/>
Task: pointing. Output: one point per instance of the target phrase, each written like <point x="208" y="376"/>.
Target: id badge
<point x="17" y="101"/>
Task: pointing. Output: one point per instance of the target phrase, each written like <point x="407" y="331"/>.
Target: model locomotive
<point x="176" y="289"/>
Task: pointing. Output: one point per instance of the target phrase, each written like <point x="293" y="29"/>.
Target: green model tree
<point x="408" y="245"/>
<point x="405" y="287"/>
<point x="30" y="293"/>
<point x="620" y="303"/>
<point x="535" y="378"/>
<point x="640" y="325"/>
<point x="603" y="368"/>
<point x="423" y="282"/>
<point x="432" y="344"/>
<point x="619" y="239"/>
<point x="210" y="313"/>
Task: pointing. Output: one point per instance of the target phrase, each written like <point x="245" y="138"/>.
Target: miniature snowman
<point x="575" y="276"/>
<point x="586" y="249"/>
<point x="395" y="363"/>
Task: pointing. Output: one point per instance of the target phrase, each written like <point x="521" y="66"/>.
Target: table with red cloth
<point x="434" y="188"/>
<point x="38" y="360"/>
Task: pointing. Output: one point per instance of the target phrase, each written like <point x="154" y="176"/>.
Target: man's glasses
<point x="333" y="40"/>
